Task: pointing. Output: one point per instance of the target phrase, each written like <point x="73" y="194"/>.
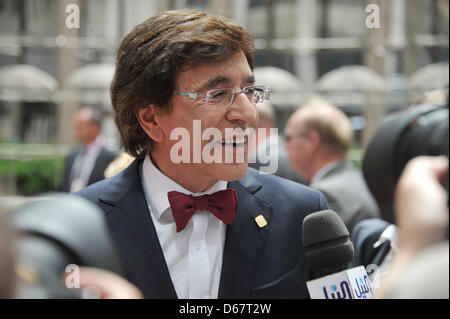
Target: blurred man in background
<point x="269" y="153"/>
<point x="86" y="164"/>
<point x="318" y="137"/>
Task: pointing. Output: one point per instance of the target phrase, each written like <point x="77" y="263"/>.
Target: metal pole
<point x="67" y="63"/>
<point x="305" y="60"/>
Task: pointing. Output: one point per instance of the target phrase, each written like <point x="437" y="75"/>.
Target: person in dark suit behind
<point x="192" y="228"/>
<point x="86" y="164"/>
<point x="318" y="137"/>
<point x="269" y="153"/>
<point x="372" y="239"/>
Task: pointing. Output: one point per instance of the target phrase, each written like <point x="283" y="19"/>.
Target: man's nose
<point x="242" y="110"/>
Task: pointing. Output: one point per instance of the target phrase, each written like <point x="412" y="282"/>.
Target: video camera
<point x="419" y="130"/>
<point x="55" y="232"/>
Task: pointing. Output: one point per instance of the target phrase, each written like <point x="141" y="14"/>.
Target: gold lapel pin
<point x="260" y="221"/>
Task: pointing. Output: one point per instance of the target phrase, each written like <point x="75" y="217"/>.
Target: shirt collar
<point x="157" y="185"/>
<point x="389" y="234"/>
<point x="97" y="143"/>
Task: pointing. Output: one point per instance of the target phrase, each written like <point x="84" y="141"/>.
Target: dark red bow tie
<point x="222" y="204"/>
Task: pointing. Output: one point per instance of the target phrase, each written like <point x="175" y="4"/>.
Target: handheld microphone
<point x="329" y="253"/>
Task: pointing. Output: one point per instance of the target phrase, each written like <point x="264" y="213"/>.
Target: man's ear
<point x="149" y="120"/>
<point x="314" y="140"/>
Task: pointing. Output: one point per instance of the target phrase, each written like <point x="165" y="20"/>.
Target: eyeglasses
<point x="225" y="97"/>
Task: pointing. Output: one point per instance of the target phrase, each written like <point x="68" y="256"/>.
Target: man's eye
<point x="217" y="94"/>
<point x="249" y="90"/>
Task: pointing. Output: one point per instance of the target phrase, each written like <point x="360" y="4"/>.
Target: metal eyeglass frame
<point x="265" y="96"/>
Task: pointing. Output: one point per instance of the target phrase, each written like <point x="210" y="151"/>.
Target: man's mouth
<point x="236" y="141"/>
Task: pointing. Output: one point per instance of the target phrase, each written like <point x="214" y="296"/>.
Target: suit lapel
<point x="244" y="241"/>
<point x="96" y="167"/>
<point x="68" y="170"/>
<point x="135" y="236"/>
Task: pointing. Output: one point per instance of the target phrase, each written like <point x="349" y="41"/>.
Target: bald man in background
<point x="318" y="137"/>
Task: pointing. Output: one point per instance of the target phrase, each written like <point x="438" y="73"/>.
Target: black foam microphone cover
<point x="327" y="243"/>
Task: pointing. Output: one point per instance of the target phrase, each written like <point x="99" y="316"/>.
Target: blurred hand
<point x="107" y="284"/>
<point x="421" y="203"/>
<point x="421" y="212"/>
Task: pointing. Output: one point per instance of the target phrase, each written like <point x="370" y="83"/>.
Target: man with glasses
<point x="198" y="229"/>
<point x="318" y="137"/>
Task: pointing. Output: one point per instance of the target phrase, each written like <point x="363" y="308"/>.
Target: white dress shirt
<point x="84" y="164"/>
<point x="389" y="234"/>
<point x="194" y="255"/>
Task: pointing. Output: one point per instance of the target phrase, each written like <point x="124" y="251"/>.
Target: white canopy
<point x="90" y="84"/>
<point x="91" y="76"/>
<point x="431" y="77"/>
<point x="352" y="78"/>
<point x="286" y="86"/>
<point x="351" y="87"/>
<point x="22" y="82"/>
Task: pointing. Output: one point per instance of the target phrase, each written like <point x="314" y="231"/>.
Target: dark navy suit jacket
<point x="266" y="262"/>
<point x="364" y="236"/>
<point x="105" y="157"/>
